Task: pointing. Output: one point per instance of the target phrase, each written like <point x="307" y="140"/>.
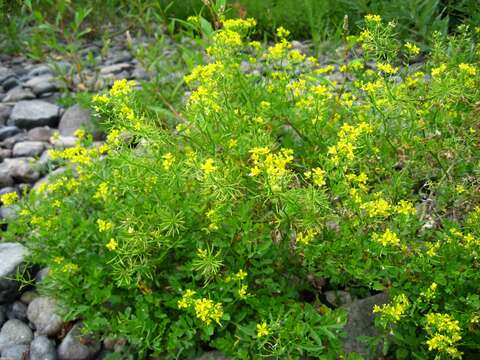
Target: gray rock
<point x="12" y="256"/>
<point x="5" y="179"/>
<point x="8" y="131"/>
<point x="12" y="140"/>
<point x="338" y="297"/>
<point x="5" y="153"/>
<point x="74" y="346"/>
<point x="21" y="169"/>
<point x="5" y="74"/>
<point x="43" y="133"/>
<point x="115" y="69"/>
<point x="361" y="323"/>
<point x="139" y="73"/>
<point x="42" y="84"/>
<point x="42" y="274"/>
<point x="14" y="332"/>
<point x="33" y="113"/>
<point x="17" y="94"/>
<point x="10" y="83"/>
<point x="42" y="348"/>
<point x="75" y="118"/>
<point x="28" y="148"/>
<point x="28" y="296"/>
<point x="41" y="69"/>
<point x="17" y="310"/>
<point x="16" y="352"/>
<point x="5" y="111"/>
<point x="42" y="312"/>
<point x="9" y="213"/>
<point x="118" y="57"/>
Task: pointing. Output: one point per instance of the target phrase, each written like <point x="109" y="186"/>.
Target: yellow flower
<point x="102" y="191"/>
<point x="240" y="275"/>
<point x="206" y="310"/>
<point x="112" y="245"/>
<point x="395" y="310"/>
<point x="405" y="208"/>
<point x="104" y="225"/>
<point x="388" y="238"/>
<point x="9" y="198"/>
<point x="387" y="68"/>
<point x="373" y="18"/>
<point x="318" y="177"/>
<point x="208" y="167"/>
<point x="436" y="72"/>
<point x="282" y="33"/>
<point x="306" y="237"/>
<point x="58" y="259"/>
<point x="467" y="69"/>
<point x="262" y="329"/>
<point x="444" y="333"/>
<point x="242" y="292"/>
<point x="71" y="268"/>
<point x="168" y="160"/>
<point x="412" y="49"/>
<point x="79" y="133"/>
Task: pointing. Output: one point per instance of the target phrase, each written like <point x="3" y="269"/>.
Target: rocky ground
<point x="30" y="114"/>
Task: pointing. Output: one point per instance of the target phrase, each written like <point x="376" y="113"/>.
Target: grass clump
<point x="277" y="180"/>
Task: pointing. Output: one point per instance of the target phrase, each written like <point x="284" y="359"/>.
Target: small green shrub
<point x="209" y="231"/>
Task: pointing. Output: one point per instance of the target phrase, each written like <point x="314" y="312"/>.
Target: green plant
<point x="206" y="229"/>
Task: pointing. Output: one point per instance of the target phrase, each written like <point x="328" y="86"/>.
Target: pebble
<point x="73" y="119"/>
<point x="28" y="148"/>
<point x="21" y="169"/>
<point x="76" y="347"/>
<point x="12" y="256"/>
<point x="17" y="310"/>
<point x="43" y="133"/>
<point x="42" y="312"/>
<point x="18" y="93"/>
<point x="14" y="332"/>
<point x="33" y="113"/>
<point x="8" y="131"/>
<point x="42" y="348"/>
<point x="16" y="352"/>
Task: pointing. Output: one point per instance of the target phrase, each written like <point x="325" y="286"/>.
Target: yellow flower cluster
<point x="444" y="333"/>
<point x="306" y="237"/>
<point x="242" y="26"/>
<point x="274" y="165"/>
<point x="168" y="160"/>
<point x="278" y="51"/>
<point x="102" y="191"/>
<point x="317" y="175"/>
<point x="122" y="88"/>
<point x="103" y="225"/>
<point x="9" y="198"/>
<point x="467" y="69"/>
<point x="205" y="309"/>
<point x="412" y="49"/>
<point x="388" y="238"/>
<point x="438" y="71"/>
<point x="371" y="18"/>
<point x="70" y="268"/>
<point x="205" y="73"/>
<point x="348" y="135"/>
<point x="387" y="68"/>
<point x="395" y="310"/>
